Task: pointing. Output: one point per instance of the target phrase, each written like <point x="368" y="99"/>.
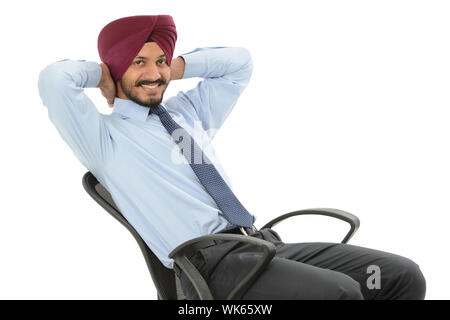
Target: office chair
<point x="167" y="282"/>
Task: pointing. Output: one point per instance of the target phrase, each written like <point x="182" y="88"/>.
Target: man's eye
<point x="163" y="61"/>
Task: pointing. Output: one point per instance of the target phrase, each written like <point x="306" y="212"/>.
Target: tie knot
<point x="159" y="110"/>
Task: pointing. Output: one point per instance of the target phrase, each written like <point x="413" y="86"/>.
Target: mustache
<point x="149" y="83"/>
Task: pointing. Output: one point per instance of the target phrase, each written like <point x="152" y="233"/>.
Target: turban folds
<point x="120" y="41"/>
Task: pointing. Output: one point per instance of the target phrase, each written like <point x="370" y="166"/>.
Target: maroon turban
<point x="120" y="41"/>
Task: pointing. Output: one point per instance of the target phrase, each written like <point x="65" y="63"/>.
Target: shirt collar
<point x="130" y="109"/>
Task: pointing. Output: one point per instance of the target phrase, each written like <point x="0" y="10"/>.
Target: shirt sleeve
<point x="226" y="72"/>
<point x="74" y="115"/>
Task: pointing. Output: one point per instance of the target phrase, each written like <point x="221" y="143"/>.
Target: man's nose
<point x="151" y="73"/>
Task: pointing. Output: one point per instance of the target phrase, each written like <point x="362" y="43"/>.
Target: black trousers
<point x="307" y="271"/>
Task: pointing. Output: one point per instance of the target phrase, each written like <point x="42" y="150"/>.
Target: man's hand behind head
<point x="107" y="85"/>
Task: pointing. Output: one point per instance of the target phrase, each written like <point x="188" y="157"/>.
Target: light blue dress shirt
<point x="134" y="157"/>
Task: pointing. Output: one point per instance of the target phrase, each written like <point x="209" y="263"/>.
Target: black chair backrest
<point x="163" y="278"/>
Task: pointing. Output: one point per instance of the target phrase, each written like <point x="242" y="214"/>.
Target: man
<point x="155" y="159"/>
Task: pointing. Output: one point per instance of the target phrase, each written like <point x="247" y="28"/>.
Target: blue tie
<point x="208" y="175"/>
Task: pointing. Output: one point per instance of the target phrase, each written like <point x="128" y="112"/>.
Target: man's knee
<point x="352" y="291"/>
<point x="405" y="281"/>
<point x="413" y="280"/>
<point x="344" y="287"/>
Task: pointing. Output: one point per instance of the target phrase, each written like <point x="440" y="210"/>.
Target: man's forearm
<point x="214" y="62"/>
<point x="177" y="68"/>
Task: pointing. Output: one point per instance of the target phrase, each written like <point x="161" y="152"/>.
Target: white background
<point x="347" y="108"/>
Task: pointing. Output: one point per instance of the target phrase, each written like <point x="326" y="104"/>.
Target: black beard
<point x="138" y="101"/>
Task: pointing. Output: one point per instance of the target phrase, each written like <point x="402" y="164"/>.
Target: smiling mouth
<point x="150" y="87"/>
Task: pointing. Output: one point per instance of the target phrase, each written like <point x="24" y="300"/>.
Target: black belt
<point x="193" y="249"/>
<point x="238" y="230"/>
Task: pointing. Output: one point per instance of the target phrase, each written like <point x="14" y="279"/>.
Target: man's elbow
<point x="50" y="79"/>
<point x="244" y="73"/>
<point x="247" y="61"/>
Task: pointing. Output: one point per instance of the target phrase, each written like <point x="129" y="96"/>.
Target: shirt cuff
<point x="87" y="74"/>
<point x="94" y="74"/>
<point x="194" y="64"/>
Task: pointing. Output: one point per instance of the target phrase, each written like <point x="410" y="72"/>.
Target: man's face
<point x="148" y="68"/>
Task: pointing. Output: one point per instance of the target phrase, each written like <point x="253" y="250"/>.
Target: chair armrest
<point x="184" y="251"/>
<point x="335" y="213"/>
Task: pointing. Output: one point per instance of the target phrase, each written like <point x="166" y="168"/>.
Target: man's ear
<point x="118" y="88"/>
